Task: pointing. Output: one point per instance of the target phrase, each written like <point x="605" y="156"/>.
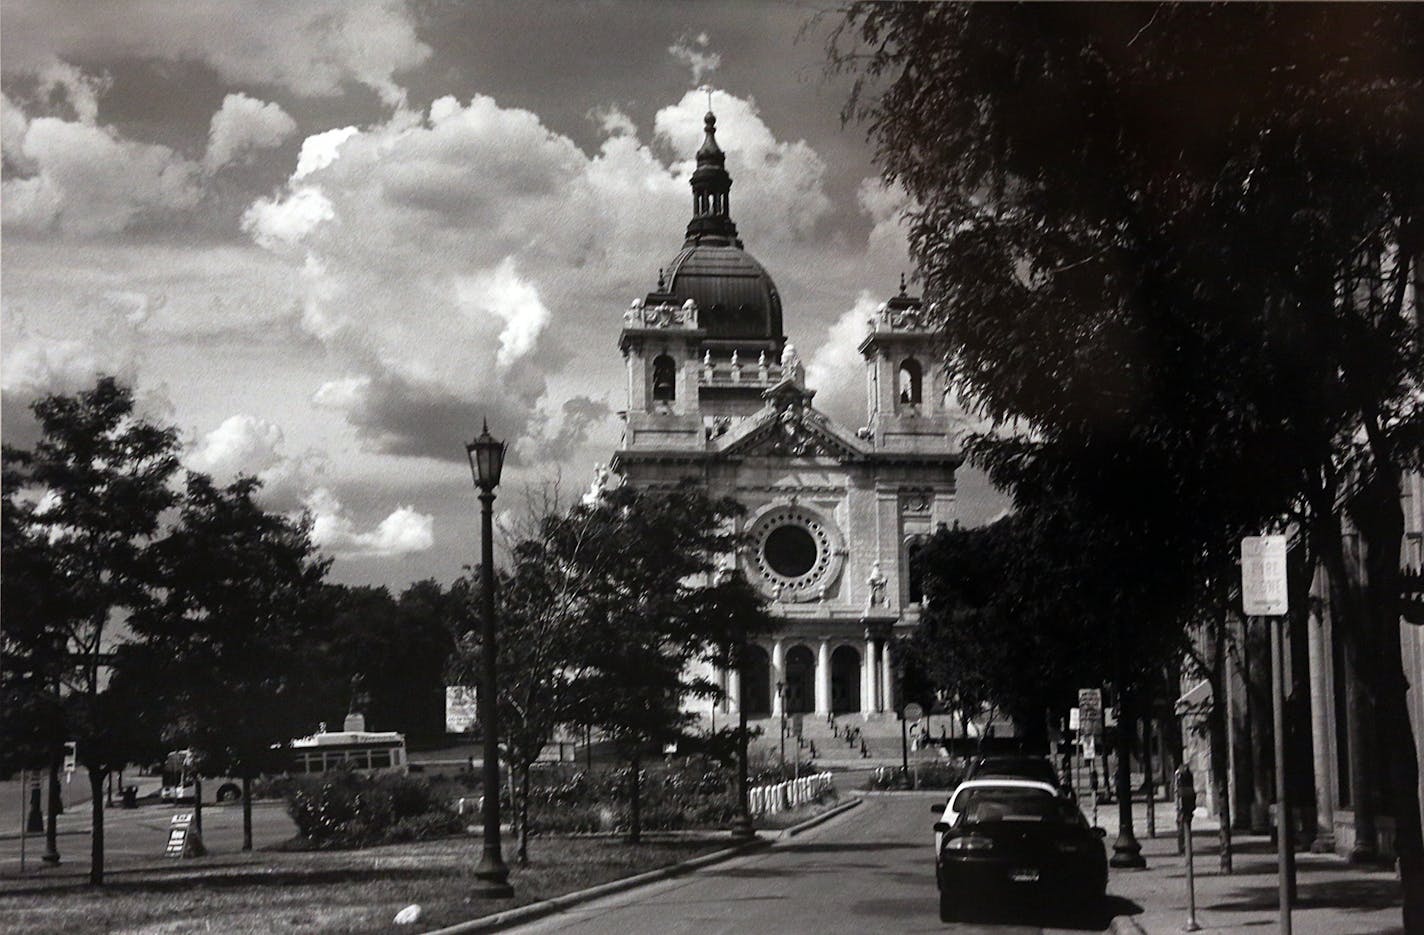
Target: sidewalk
<point x="1332" y="897"/>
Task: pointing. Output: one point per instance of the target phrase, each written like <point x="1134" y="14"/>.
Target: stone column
<point x="823" y="679"/>
<point x="887" y="678"/>
<point x="1322" y="731"/>
<point x="778" y="674"/>
<point x="734" y="691"/>
<point x="867" y="678"/>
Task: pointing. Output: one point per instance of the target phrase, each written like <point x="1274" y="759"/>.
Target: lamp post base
<point x="492" y="883"/>
<point x="742" y="830"/>
<point x="1127" y="853"/>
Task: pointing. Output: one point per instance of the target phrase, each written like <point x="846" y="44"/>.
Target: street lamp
<point x="486" y="462"/>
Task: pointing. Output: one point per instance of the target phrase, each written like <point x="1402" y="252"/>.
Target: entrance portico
<point x="838" y="676"/>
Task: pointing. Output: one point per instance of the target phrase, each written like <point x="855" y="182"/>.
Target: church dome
<point x="735" y="296"/>
<point x="736" y="299"/>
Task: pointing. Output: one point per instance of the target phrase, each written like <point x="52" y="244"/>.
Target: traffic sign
<point x="913" y="712"/>
<point x="1074" y="719"/>
<point x="1263" y="576"/>
<point x="1090" y="710"/>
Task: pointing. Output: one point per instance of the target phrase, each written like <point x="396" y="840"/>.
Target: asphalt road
<point x="870" y="870"/>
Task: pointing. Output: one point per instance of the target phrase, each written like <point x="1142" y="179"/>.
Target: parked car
<point x="1015" y="766"/>
<point x="1019" y="766"/>
<point x="1004" y="836"/>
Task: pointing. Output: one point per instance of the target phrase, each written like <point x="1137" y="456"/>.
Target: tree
<point x="101" y="478"/>
<point x="231" y="642"/>
<point x="1209" y="309"/>
<point x="641" y="561"/>
<point x="398" y="648"/>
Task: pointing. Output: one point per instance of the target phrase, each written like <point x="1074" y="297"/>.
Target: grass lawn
<point x="343" y="891"/>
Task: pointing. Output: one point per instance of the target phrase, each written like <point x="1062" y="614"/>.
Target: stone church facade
<point x="833" y="514"/>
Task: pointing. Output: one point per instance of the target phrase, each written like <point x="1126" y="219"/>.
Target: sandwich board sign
<point x="183" y="838"/>
<point x="1263" y="576"/>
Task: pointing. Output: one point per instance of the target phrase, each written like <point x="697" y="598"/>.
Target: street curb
<point x="499" y="920"/>
<point x="1125" y="925"/>
<point x="815" y="820"/>
<point x="941" y="793"/>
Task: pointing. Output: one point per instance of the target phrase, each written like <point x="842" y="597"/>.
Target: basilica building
<point x="833" y="513"/>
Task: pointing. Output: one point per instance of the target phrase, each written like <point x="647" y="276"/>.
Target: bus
<point x="359" y="750"/>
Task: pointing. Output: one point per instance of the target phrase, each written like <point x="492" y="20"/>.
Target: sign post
<point x="1264" y="594"/>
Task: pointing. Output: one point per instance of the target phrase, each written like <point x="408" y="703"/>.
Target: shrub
<point x="348" y="809"/>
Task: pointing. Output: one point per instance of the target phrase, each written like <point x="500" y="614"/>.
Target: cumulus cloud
<point x="502" y="293"/>
<point x="321" y="149"/>
<point x="404" y="531"/>
<point x="613" y="121"/>
<point x="693" y="52"/>
<point x="313" y="48"/>
<point x="397" y="415"/>
<point x="886" y="205"/>
<point x="242" y="444"/>
<point x="86" y="179"/>
<point x="456" y="259"/>
<point x="836" y="370"/>
<point x="81" y="92"/>
<point x="790" y="195"/>
<point x="244" y="124"/>
<point x="274" y="222"/>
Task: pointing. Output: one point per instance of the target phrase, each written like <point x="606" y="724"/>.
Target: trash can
<point x="130" y="796"/>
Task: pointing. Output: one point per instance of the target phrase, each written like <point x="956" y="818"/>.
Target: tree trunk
<point x="52" y="809"/>
<point x="521" y="854"/>
<point x="1220" y="741"/>
<point x="635" y="815"/>
<point x="1258" y="693"/>
<point x="1352" y="627"/>
<point x="1380" y="519"/>
<point x="247" y="813"/>
<point x="96" y="837"/>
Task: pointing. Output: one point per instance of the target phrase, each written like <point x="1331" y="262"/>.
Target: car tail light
<point x="970" y="842"/>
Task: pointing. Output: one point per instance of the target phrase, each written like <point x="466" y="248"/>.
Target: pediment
<point x="791" y="431"/>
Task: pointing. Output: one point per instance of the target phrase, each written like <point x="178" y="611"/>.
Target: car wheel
<point x="946" y="907"/>
<point x="229" y="793"/>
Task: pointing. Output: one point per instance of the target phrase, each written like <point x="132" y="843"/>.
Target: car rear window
<point x="976" y="806"/>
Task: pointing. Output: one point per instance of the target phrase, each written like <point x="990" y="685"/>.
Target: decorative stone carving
<point x="662" y="315"/>
<point x="791" y="367"/>
<point x="598" y="486"/>
<point x="876" y="587"/>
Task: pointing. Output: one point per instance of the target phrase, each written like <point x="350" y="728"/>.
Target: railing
<point x="782" y="796"/>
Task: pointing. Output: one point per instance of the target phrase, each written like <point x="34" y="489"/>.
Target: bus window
<point x="380" y="759"/>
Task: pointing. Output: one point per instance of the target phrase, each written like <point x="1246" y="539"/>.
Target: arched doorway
<point x="800" y="680"/>
<point x="756" y="682"/>
<point x="845" y="680"/>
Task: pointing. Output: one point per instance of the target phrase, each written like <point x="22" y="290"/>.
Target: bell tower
<point x="905" y="384"/>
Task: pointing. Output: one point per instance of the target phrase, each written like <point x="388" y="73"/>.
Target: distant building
<point x="716" y="393"/>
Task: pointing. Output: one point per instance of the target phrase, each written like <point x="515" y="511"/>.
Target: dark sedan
<point x="1006" y="836"/>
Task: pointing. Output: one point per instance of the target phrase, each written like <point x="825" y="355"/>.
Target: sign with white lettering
<point x="1090" y="710"/>
<point x="461" y="709"/>
<point x="1263" y="576"/>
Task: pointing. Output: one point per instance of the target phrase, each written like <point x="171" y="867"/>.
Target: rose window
<point x="795" y="554"/>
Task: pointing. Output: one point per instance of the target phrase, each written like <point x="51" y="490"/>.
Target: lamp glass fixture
<point x="486" y="459"/>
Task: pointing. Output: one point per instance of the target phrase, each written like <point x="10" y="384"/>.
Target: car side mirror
<point x="936" y="809"/>
<point x="1100" y="833"/>
<point x="941" y="826"/>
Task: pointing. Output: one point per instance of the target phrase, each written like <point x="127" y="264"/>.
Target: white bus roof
<point x="347" y="737"/>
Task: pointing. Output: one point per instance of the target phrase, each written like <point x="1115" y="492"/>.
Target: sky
<point x="327" y="239"/>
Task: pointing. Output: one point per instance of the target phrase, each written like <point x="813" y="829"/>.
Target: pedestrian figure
<point x="864" y="753"/>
